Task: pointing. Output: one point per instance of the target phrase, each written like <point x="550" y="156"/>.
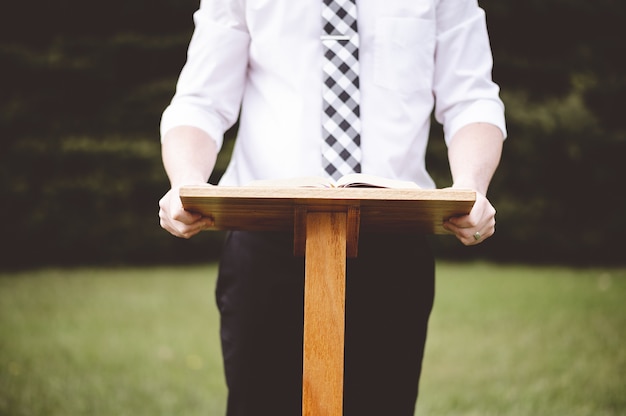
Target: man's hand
<point x="179" y="222"/>
<point x="474" y="154"/>
<point x="189" y="155"/>
<point x="477" y="226"/>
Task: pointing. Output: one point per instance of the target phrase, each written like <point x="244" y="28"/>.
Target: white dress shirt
<point x="265" y="58"/>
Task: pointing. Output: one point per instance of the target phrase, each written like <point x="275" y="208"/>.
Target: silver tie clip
<point x="334" y="37"/>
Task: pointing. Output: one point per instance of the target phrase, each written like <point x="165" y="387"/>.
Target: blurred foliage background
<point x="83" y="86"/>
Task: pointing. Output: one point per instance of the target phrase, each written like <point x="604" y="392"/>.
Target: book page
<point x="355" y="180"/>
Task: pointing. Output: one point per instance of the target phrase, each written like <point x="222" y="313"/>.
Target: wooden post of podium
<point x="330" y="237"/>
<point x="326" y="225"/>
<point x="324" y="312"/>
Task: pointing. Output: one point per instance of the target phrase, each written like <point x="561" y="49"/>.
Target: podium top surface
<point x="275" y="209"/>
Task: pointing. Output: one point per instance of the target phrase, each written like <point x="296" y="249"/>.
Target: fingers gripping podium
<point x="326" y="223"/>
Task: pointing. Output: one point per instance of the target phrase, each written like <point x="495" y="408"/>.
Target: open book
<point x="353" y="180"/>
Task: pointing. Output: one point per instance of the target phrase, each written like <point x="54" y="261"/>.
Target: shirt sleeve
<point x="211" y="83"/>
<point x="463" y="86"/>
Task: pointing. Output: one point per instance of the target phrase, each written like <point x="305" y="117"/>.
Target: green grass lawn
<point x="526" y="341"/>
<point x="504" y="340"/>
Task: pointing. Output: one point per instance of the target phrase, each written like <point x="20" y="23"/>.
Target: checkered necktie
<point x="341" y="126"/>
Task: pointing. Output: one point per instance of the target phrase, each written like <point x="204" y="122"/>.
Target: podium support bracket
<point x="353" y="225"/>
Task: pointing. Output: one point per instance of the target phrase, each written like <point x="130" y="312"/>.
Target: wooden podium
<point x="326" y="223"/>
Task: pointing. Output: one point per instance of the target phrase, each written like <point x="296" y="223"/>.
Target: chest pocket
<point x="404" y="51"/>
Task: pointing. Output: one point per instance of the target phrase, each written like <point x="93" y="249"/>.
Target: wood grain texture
<point x="299" y="231"/>
<point x="324" y="314"/>
<point x="380" y="209"/>
<point x="353" y="226"/>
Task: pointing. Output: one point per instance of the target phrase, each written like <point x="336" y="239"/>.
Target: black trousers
<point x="260" y="295"/>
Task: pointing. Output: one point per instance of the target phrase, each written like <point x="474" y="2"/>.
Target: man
<point x="264" y="62"/>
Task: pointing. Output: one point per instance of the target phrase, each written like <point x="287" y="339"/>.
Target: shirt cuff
<point x="481" y="111"/>
<point x="189" y="115"/>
